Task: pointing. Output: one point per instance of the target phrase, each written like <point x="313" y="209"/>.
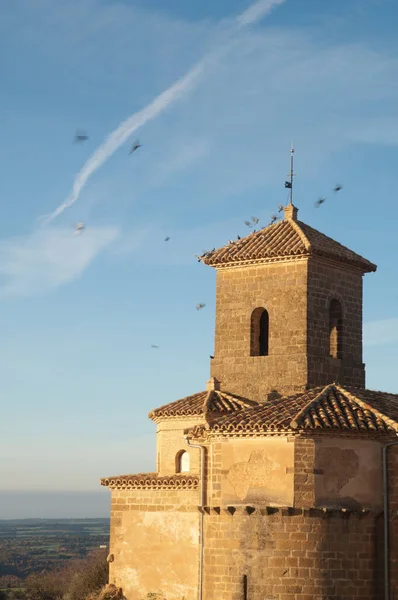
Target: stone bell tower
<point x="288" y="311"/>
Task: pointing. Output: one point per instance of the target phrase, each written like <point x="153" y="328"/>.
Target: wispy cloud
<point x="183" y="154"/>
<point x="257" y="11"/>
<point x="245" y="111"/>
<point x="246" y="107"/>
<point x="48" y="258"/>
<point x="238" y="124"/>
<point x="131" y="241"/>
<point x="378" y="333"/>
<point x="120" y="135"/>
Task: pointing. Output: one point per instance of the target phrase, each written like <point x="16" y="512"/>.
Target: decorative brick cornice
<point x="286" y="511"/>
<point x="262" y="261"/>
<point x="319" y="258"/>
<point x="151" y="481"/>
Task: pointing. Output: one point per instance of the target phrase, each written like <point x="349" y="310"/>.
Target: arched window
<point x="182" y="462"/>
<point x="335" y="329"/>
<point x="259" y="332"/>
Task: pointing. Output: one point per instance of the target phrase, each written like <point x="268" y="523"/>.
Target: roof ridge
<point x="365" y="406"/>
<point x="156" y="412"/>
<point x="295" y="422"/>
<point x="350" y="387"/>
<point x="296" y="227"/>
<point x="207" y="401"/>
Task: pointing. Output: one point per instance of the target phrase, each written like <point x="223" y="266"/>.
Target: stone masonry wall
<point x="297" y="296"/>
<point x="304" y="472"/>
<point x="348" y="473"/>
<point x="327" y="281"/>
<point x="280" y="288"/>
<point x="170" y="440"/>
<point x="155" y="543"/>
<point x="393" y="519"/>
<point x="243" y="471"/>
<point x="289" y="555"/>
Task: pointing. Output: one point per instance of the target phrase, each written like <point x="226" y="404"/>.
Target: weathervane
<point x="289" y="184"/>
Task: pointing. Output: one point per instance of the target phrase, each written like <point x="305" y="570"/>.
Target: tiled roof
<point x="210" y="403"/>
<point x="152" y="481"/>
<point x="288" y="238"/>
<point x="330" y="408"/>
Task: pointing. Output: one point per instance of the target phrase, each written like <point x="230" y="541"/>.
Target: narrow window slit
<point x="259" y="333"/>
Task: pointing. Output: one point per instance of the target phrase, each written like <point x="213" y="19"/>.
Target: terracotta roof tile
<point x="151" y="481"/>
<point x="285" y="239"/>
<point x="330" y="408"/>
<point x="203" y="404"/>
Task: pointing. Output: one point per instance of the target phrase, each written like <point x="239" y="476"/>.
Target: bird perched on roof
<point x="211" y="357"/>
<point x="239" y="237"/>
<point x="319" y="202"/>
<point x="273" y="219"/>
<point x="248" y="224"/>
<point x="135" y="147"/>
<point x="338" y="188"/>
<point x="255" y="220"/>
<point x="81" y="136"/>
<point x="280" y="208"/>
<point x="200" y="306"/>
<point x="198" y="257"/>
<point x="167" y="239"/>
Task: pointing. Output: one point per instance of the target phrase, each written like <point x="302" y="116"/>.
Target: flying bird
<point x="319" y="202"/>
<point x="255" y="220"/>
<point x="338" y="188"/>
<point x="153" y="346"/>
<point x="280" y="208"/>
<point x="248" y="224"/>
<point x="135" y="147"/>
<point x="167" y="239"/>
<point x="81" y="136"/>
<point x="79" y="227"/>
<point x="273" y="219"/>
<point x="200" y="306"/>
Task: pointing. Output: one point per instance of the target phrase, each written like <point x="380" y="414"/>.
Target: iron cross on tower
<point x="289" y="184"/>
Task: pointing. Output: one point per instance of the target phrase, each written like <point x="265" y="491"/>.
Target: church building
<point x="269" y="484"/>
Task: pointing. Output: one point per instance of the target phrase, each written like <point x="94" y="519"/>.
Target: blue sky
<point x="78" y="314"/>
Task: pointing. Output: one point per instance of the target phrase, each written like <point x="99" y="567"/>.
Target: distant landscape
<point x="35" y="545"/>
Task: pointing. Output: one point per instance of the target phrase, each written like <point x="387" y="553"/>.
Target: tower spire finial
<point x="290" y="210"/>
<point x="289" y="183"/>
<point x="291" y="172"/>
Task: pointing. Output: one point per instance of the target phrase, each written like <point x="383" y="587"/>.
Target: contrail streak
<point x="254" y="13"/>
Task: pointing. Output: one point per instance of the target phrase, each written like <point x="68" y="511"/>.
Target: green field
<point x="36" y="545"/>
